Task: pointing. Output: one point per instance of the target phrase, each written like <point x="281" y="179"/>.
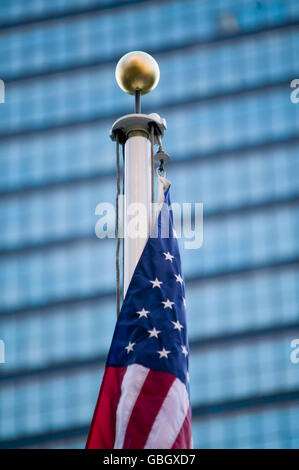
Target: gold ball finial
<point x="137" y="70"/>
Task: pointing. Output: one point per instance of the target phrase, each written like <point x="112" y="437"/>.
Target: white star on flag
<point x="167" y="304"/>
<point x="163" y="353"/>
<point x="156" y="283"/>
<point x="168" y="256"/>
<point x="179" y="278"/>
<point x="143" y="313"/>
<point x="184" y="301"/>
<point x="130" y="347"/>
<point x="184" y="350"/>
<point x="177" y="325"/>
<point x="153" y="333"/>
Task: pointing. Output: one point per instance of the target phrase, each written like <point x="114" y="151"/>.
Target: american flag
<point x="144" y="398"/>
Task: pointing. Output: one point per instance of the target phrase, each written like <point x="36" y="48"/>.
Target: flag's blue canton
<point x="151" y="328"/>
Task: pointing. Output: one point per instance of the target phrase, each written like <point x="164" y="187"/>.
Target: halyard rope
<point x="117" y="229"/>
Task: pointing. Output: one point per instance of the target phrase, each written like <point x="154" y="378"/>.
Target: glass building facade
<point x="233" y="135"/>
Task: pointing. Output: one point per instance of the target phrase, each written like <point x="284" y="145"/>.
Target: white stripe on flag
<point x="170" y="418"/>
<point x="132" y="383"/>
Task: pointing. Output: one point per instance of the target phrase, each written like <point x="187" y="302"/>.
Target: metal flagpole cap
<point x="141" y="122"/>
<point x="137" y="71"/>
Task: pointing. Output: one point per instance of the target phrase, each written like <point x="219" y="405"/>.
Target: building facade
<point x="226" y="68"/>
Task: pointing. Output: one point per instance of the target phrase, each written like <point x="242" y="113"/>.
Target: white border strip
<point x="170" y="418"/>
<point x="132" y="383"/>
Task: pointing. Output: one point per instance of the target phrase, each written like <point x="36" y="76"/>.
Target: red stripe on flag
<point x="102" y="430"/>
<point x="146" y="408"/>
<point x="184" y="440"/>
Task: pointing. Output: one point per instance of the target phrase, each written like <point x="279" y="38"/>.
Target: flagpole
<point x="137" y="73"/>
